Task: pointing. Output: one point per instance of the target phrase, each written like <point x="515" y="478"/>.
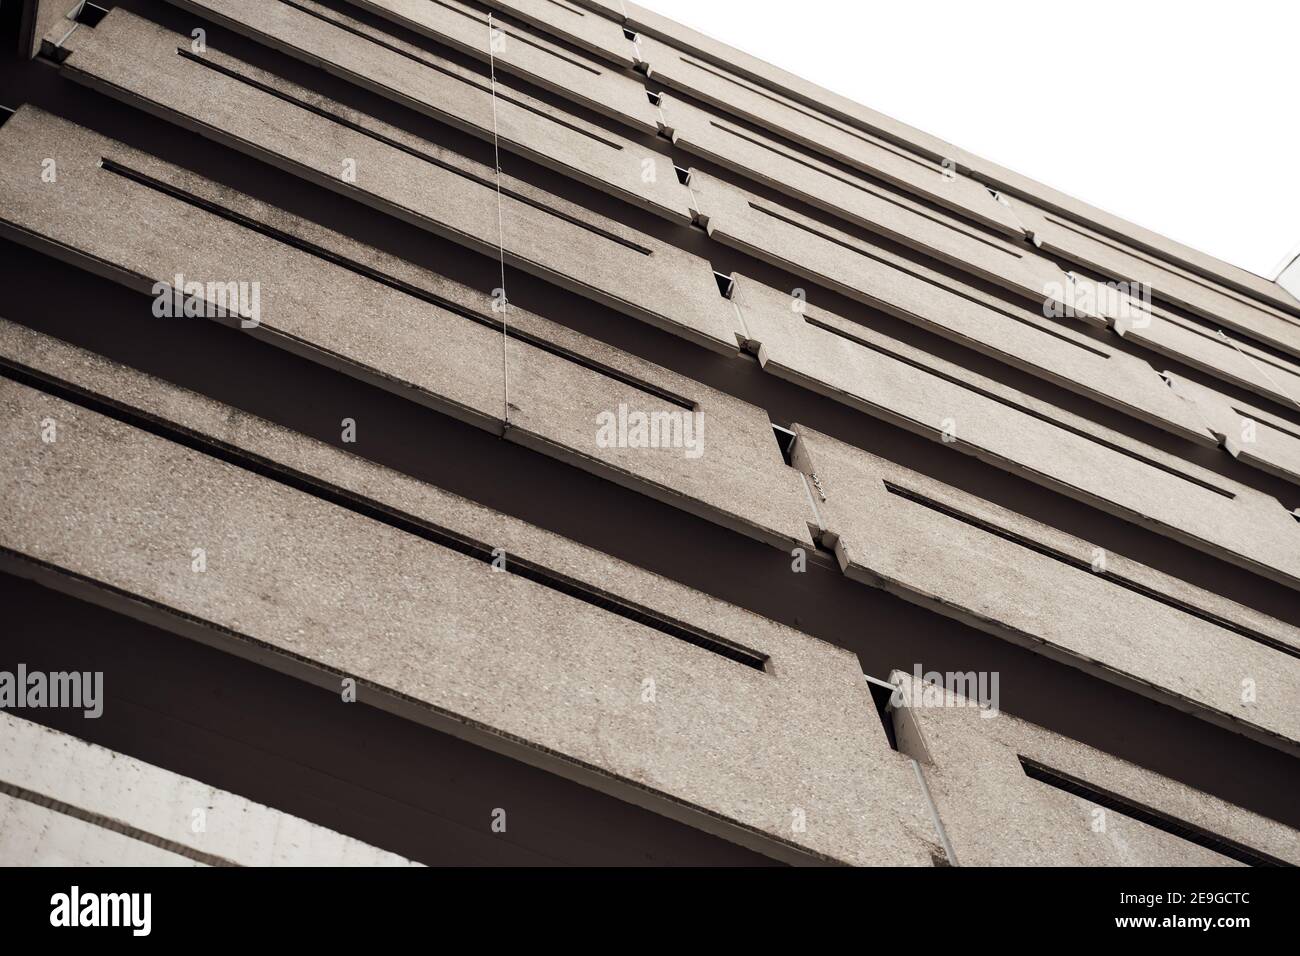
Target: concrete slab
<point x="1236" y="311"/>
<point x="972" y="763"/>
<point x="711" y="454"/>
<point x="135" y="59"/>
<point x="522" y="51"/>
<point x="787" y="85"/>
<point x="113" y="802"/>
<point x="1232" y="359"/>
<point x="986" y="566"/>
<point x="1018" y="337"/>
<point x="410" y="178"/>
<point x="31" y="835"/>
<point x="1063" y="452"/>
<point x="742" y="752"/>
<point x="831" y="137"/>
<point x="569" y="21"/>
<point x="894" y="215"/>
<point x="1250" y="434"/>
<point x="1130" y="236"/>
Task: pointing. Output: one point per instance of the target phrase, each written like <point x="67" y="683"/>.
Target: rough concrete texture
<point x="129" y="801"/>
<point x="136" y="60"/>
<point x="648" y="279"/>
<point x="827" y="135"/>
<point x="1234" y="310"/>
<point x="521" y="51"/>
<point x="787" y="85"/>
<point x="1025" y="436"/>
<point x="1020" y="336"/>
<point x="792" y="346"/>
<point x="962" y="569"/>
<point x="912" y="140"/>
<point x="31" y="835"/>
<point x="1235" y="360"/>
<point x="50" y="22"/>
<point x="322" y="592"/>
<point x="993" y="814"/>
<point x="596" y="34"/>
<point x="1252" y="435"/>
<point x="714" y="455"/>
<point x="878" y="208"/>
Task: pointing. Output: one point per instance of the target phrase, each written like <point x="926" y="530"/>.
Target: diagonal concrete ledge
<point x="972" y="762"/>
<point x="112" y="513"/>
<point x="1009" y="576"/>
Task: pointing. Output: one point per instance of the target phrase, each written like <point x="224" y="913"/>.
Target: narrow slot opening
<point x="382" y="513"/>
<point x="882" y="694"/>
<point x="726" y="284"/>
<point x="1144" y="814"/>
<point x="88" y="14"/>
<point x="785" y="440"/>
<point x="683" y="175"/>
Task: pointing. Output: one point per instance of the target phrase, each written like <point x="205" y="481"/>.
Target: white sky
<point x="1180" y="116"/>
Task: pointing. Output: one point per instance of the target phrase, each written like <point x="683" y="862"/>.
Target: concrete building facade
<point x="529" y="432"/>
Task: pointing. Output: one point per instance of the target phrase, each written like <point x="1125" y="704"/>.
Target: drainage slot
<point x="1152" y="818"/>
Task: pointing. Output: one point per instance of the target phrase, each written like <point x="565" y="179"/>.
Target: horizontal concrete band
<point x="438" y="190"/>
<point x="972" y="761"/>
<point x="915" y="174"/>
<point x="1025" y="437"/>
<point x="787" y="86"/>
<point x="1250" y="434"/>
<point x="1020" y="337"/>
<point x="1228" y="357"/>
<point x="892" y="214"/>
<point x="139" y="58"/>
<point x="1234" y="310"/>
<point x="570" y="397"/>
<point x="984" y="565"/>
<point x="436" y="635"/>
<point x="567" y="21"/>
<point x="513" y="49"/>
<point x="65" y="802"/>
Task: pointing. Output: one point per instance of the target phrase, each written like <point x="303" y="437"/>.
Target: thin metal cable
<point x="501" y="232"/>
<point x="1262" y="371"/>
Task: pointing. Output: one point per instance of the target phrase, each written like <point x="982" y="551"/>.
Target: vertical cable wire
<point x="501" y="233"/>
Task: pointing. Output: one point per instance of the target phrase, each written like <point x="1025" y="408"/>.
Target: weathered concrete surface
<point x="125" y="795"/>
<point x="135" y="60"/>
<point x="50" y="22"/>
<point x="439" y="190"/>
<point x="1021" y="336"/>
<point x="596" y="34"/>
<point x="1066" y="611"/>
<point x="993" y="814"/>
<point x="794" y="347"/>
<point x="828" y="136"/>
<point x="31" y="835"/>
<point x="522" y="51"/>
<point x="1237" y="361"/>
<point x="1239" y="312"/>
<point x="295" y="582"/>
<point x="683" y="40"/>
<point x="714" y="456"/>
<point x="1250" y="434"/>
<point x="1024" y="436"/>
<point x="892" y="214"/>
<point x="911" y="140"/>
